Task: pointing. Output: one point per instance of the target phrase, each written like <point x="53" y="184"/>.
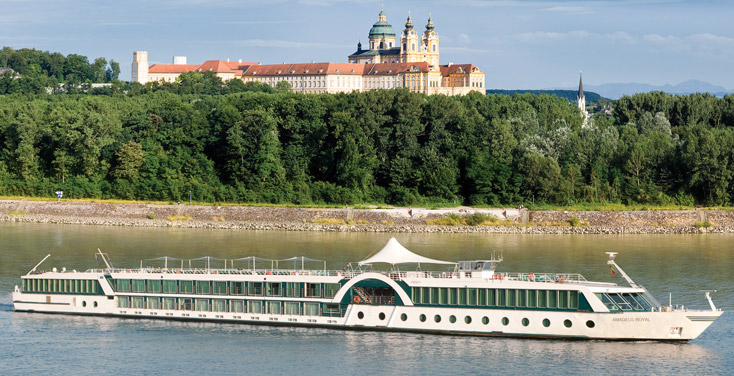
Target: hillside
<point x="591" y="97"/>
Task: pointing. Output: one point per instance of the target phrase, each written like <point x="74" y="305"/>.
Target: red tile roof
<point x="171" y="68"/>
<point x="303" y="69"/>
<point x="453" y="68"/>
<point x="378" y="69"/>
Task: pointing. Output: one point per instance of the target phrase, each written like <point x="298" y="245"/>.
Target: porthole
<point x="422" y="318"/>
<point x="452" y="318"/>
<point x="505" y="321"/>
<point x="94" y="304"/>
<point x="590" y="324"/>
<point x="467" y="319"/>
<point x="84" y="303"/>
<point x="525" y="322"/>
<point x="360" y="315"/>
<point x="403" y="317"/>
<point x="485" y="320"/>
<point x="381" y="315"/>
<point x="437" y="318"/>
<point x="567" y="323"/>
<point x="546" y="323"/>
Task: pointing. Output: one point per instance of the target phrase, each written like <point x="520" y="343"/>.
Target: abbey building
<point x="411" y="62"/>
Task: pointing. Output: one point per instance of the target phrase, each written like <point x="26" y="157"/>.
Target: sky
<point x="519" y="44"/>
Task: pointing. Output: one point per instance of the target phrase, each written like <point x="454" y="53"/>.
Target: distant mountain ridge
<point x="616" y="90"/>
<point x="591" y="97"/>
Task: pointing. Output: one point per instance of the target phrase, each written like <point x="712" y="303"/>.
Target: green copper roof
<point x="382" y="29"/>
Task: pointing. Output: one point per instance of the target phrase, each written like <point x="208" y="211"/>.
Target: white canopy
<point x="394" y="253"/>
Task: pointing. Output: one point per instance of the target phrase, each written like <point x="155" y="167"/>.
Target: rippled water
<point x="52" y="344"/>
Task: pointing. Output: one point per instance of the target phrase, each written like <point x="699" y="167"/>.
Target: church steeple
<point x="581" y="87"/>
<point x="581" y="101"/>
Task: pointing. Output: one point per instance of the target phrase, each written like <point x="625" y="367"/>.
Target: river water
<point x="57" y="344"/>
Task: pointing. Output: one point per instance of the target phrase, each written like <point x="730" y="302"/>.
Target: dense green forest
<point x="591" y="97"/>
<point x="231" y="142"/>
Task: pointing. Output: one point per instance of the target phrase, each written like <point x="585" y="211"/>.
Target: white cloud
<point x="463" y="39"/>
<point x="575" y="10"/>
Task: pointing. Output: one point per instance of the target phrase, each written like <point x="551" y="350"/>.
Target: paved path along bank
<point x="365" y="220"/>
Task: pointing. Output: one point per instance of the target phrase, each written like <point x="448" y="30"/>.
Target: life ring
<point x="293" y="273"/>
<point x="531" y="277"/>
<point x="357" y="299"/>
<point x="561" y="280"/>
<point x="214" y="272"/>
<point x="268" y="273"/>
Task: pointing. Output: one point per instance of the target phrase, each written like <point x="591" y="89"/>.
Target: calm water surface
<point x="51" y="344"/>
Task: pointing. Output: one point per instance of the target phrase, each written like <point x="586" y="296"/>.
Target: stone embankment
<point x="402" y="220"/>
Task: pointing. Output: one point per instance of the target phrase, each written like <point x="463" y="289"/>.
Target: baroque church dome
<point x="382" y="28"/>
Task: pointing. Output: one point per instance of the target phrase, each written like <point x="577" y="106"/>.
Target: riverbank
<point x="401" y="220"/>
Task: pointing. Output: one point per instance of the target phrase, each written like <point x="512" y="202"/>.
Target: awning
<point x="394" y="253"/>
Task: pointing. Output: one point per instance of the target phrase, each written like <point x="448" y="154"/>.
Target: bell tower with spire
<point x="581" y="100"/>
<point x="430" y="44"/>
<point x="410" y="47"/>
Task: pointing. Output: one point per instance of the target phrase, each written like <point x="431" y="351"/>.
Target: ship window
<point x="186" y="287"/>
<point x="434" y="295"/>
<point x="491" y="297"/>
<point x="219" y="305"/>
<point x="381" y="316"/>
<point x="563" y="299"/>
<point x="437" y="318"/>
<point x="202" y="305"/>
<point x="521" y="298"/>
<point x="169" y="287"/>
<point x="511" y="297"/>
<point x="169" y="303"/>
<point x="485" y="320"/>
<point x="425" y="295"/>
<point x="546" y="323"/>
<point x="501" y="300"/>
<point x="84" y="303"/>
<point x="621" y="302"/>
<point x="123" y="302"/>
<point x="462" y="296"/>
<point x="552" y="299"/>
<point x="452" y="296"/>
<point x="505" y="321"/>
<point x="272" y="307"/>
<point x="202" y="287"/>
<point x="255" y="288"/>
<point x="236" y="306"/>
<point x="291" y="308"/>
<point x="452" y="319"/>
<point x="590" y="324"/>
<point x="482" y="297"/>
<point x="573" y="300"/>
<point x="272" y="289"/>
<point x="525" y="321"/>
<point x="237" y="288"/>
<point x="138" y="302"/>
<point x="467" y="319"/>
<point x="138" y="285"/>
<point x="123" y="285"/>
<point x="219" y="288"/>
<point x="472" y="296"/>
<point x="153" y="286"/>
<point x="330" y="289"/>
<point x="443" y="297"/>
<point x="360" y="315"/>
<point x="311" y="309"/>
<point x="313" y="290"/>
<point x="567" y="323"/>
<point x="94" y="304"/>
<point x="645" y="305"/>
<point x="422" y="318"/>
<point x="532" y="298"/>
<point x="607" y="301"/>
<point x="152" y="303"/>
<point x="254" y="306"/>
<point x="542" y="298"/>
<point x="403" y="317"/>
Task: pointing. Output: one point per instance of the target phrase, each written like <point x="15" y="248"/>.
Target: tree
<point x="130" y="157"/>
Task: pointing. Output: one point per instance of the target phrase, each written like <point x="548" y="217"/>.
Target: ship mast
<point x="614" y="265"/>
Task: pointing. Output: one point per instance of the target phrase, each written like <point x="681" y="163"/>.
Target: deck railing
<point x="349" y="274"/>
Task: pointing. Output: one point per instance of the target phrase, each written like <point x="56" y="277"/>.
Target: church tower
<point x="581" y="100"/>
<point x="140" y="67"/>
<point x="410" y="47"/>
<point x="430" y="44"/>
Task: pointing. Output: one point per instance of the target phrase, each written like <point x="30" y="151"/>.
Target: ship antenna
<point x="614" y="265"/>
<point x="39" y="264"/>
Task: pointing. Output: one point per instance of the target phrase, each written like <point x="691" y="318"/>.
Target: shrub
<point x="174" y="218"/>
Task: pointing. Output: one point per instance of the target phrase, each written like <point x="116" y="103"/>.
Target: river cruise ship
<point x="470" y="298"/>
